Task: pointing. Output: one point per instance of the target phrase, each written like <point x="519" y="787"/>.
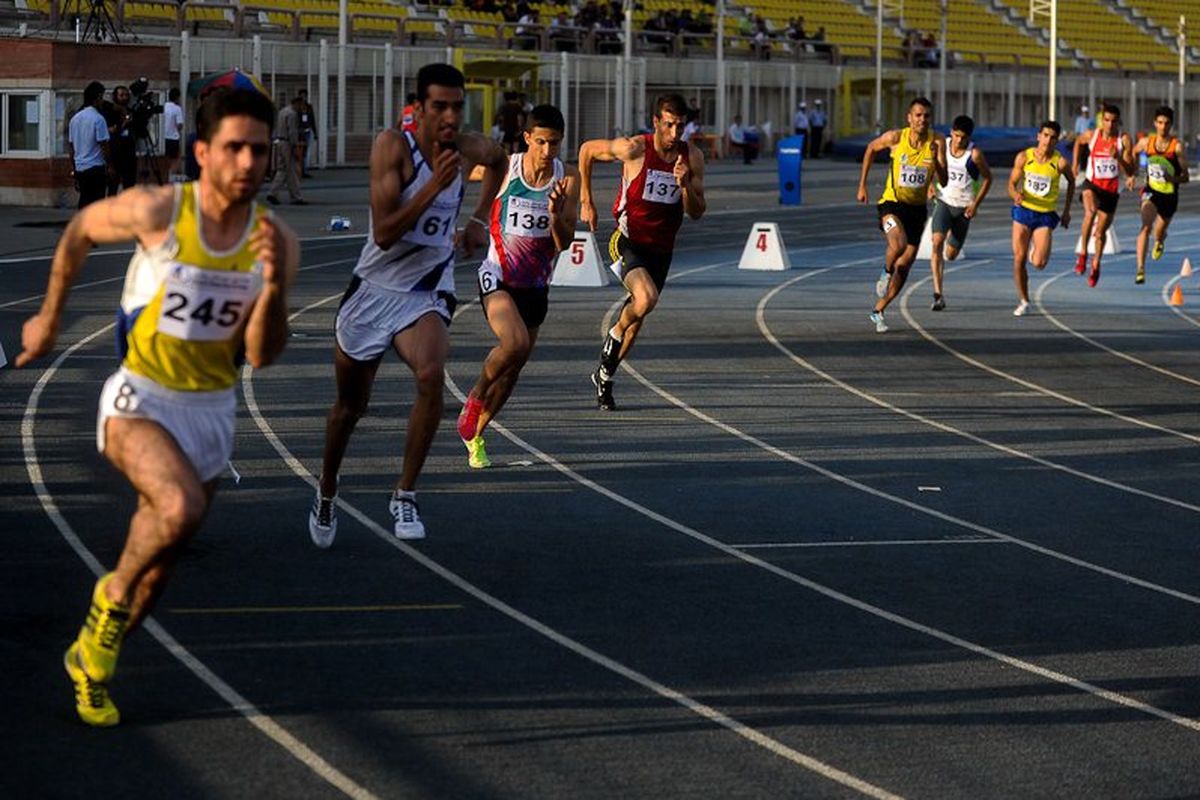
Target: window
<point x="20" y="123"/>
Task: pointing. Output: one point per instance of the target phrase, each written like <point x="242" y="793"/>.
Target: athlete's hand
<point x="1129" y="182"/>
<point x="1066" y="219"/>
<point x="969" y="213"/>
<point x="862" y="194"/>
<point x="472" y="236"/>
<point x="682" y="172"/>
<point x="587" y="213"/>
<point x="37" y="338"/>
<point x="268" y="246"/>
<point x="447" y="165"/>
<point x="558" y="200"/>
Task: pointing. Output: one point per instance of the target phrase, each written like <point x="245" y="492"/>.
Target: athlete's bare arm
<point x="141" y="214"/>
<point x="1081" y="141"/>
<point x="625" y="150"/>
<point x="886" y="141"/>
<point x="391" y="167"/>
<point x="1070" y="176"/>
<point x="1015" y="179"/>
<point x="690" y="177"/>
<point x="985" y="182"/>
<point x="938" y="146"/>
<point x="477" y="149"/>
<point x="564" y="205"/>
<point x="1181" y="156"/>
<point x="275" y="246"/>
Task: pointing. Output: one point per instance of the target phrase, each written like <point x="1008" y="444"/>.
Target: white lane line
<point x="1043" y="390"/>
<point x="1179" y="312"/>
<point x="1025" y="666"/>
<point x="873" y="543"/>
<point x="705" y="711"/>
<point x="265" y="724"/>
<point x="1037" y="300"/>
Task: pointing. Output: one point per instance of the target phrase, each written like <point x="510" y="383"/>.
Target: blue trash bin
<point x="789" y="154"/>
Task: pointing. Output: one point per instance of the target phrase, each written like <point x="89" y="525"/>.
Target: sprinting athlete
<point x="968" y="179"/>
<point x="1033" y="186"/>
<point x="207" y="284"/>
<point x="532" y="221"/>
<point x="401" y="296"/>
<point x="1166" y="169"/>
<point x="1109" y="154"/>
<point x="917" y="155"/>
<point x="662" y="178"/>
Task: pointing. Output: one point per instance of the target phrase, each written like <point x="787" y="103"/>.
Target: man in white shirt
<point x="739" y="140"/>
<point x="800" y="121"/>
<point x="816" y="127"/>
<point x="87" y="146"/>
<point x="172" y="130"/>
<point x="1083" y="122"/>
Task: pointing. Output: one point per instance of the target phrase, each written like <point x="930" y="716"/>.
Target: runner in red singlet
<point x="1110" y="152"/>
<point x="661" y="179"/>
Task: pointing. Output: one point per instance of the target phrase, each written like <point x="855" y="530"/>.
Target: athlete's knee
<point x="515" y="347"/>
<point x="1038" y="261"/>
<point x="642" y="303"/>
<point x="951" y="252"/>
<point x="180" y="510"/>
<point x="430" y="378"/>
<point x="348" y="409"/>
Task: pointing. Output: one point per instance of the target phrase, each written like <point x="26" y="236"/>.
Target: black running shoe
<point x="604" y="396"/>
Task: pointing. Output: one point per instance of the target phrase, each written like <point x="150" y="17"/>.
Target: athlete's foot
<point x="1022" y="309"/>
<point x="1140" y="277"/>
<point x="604" y="395"/>
<point x="407" y="515"/>
<point x="477" y="457"/>
<point x="468" y="418"/>
<point x="1080" y="263"/>
<point x="102" y="633"/>
<point x="877" y="318"/>
<point x="322" y="520"/>
<point x="939" y="303"/>
<point x="92" y="703"/>
<point x="1094" y="274"/>
<point x="1157" y="252"/>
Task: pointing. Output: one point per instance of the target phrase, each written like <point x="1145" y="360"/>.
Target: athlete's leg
<point x="1100" y="230"/>
<point x="1085" y="228"/>
<point x="1160" y="229"/>
<point x="938" y="253"/>
<point x="643" y="297"/>
<point x="1148" y="213"/>
<point x="1042" y="239"/>
<point x="900" y="255"/>
<point x="172" y="502"/>
<point x="510" y="354"/>
<point x="1020" y="247"/>
<point x="354" y="382"/>
<point x="423" y="347"/>
<point x="502" y="388"/>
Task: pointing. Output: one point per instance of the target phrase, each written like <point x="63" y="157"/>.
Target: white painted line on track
<point x="872" y="543"/>
<point x="1037" y="300"/>
<point x="265" y="724"/>
<point x="705" y="711"/>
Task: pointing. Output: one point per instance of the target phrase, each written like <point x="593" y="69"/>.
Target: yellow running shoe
<point x="1157" y="252"/>
<point x="1140" y="277"/>
<point x="102" y="633"/>
<point x="477" y="456"/>
<point x="92" y="702"/>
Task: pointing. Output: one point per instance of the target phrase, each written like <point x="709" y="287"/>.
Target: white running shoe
<point x="322" y="520"/>
<point x="881" y="285"/>
<point x="1022" y="309"/>
<point x="403" y="506"/>
<point x="877" y="318"/>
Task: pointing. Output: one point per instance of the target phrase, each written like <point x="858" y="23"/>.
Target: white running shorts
<point x="371" y="316"/>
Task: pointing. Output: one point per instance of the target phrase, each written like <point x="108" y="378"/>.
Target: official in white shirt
<point x="172" y="130"/>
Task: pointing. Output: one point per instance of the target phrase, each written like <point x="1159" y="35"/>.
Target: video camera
<point x="145" y="105"/>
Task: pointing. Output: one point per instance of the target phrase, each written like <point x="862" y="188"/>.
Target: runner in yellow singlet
<point x="1166" y="169"/>
<point x="207" y="284"/>
<point x="1033" y="186"/>
<point x="918" y="154"/>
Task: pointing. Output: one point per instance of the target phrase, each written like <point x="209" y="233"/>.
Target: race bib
<point x="1105" y="168"/>
<point x="206" y="305"/>
<point x="435" y="228"/>
<point x="1156" y="173"/>
<point x="958" y="177"/>
<point x="528" y="217"/>
<point x="913" y="177"/>
<point x="489" y="277"/>
<point x="1037" y="185"/>
<point x="661" y="187"/>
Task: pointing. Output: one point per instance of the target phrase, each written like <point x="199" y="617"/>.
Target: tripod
<point x="149" y="161"/>
<point x="99" y="25"/>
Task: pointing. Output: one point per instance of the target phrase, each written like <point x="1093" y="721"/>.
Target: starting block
<point x="764" y="249"/>
<point x="580" y="264"/>
<point x="1111" y="245"/>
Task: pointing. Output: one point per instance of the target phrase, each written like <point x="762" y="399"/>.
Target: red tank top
<point x="649" y="209"/>
<point x="1103" y="165"/>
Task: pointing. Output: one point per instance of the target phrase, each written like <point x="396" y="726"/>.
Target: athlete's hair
<point x="545" y="116"/>
<point x="963" y="123"/>
<point x="920" y="101"/>
<point x="1109" y="108"/>
<point x="1165" y="111"/>
<point x="437" y="75"/>
<point x="673" y="103"/>
<point x="232" y="103"/>
<point x="93" y="92"/>
<point x="1051" y="125"/>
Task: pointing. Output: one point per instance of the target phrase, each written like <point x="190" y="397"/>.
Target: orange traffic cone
<point x="1177" y="296"/>
<point x="1186" y="270"/>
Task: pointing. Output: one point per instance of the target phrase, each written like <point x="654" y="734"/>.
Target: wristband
<point x="478" y="221"/>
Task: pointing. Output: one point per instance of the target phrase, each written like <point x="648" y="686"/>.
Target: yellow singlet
<point x="908" y="177"/>
<point x="188" y="303"/>
<point x="1040" y="189"/>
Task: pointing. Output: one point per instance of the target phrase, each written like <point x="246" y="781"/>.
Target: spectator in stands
<point x="912" y="41"/>
<point x="308" y="133"/>
<point x="528" y="33"/>
<point x="818" y="40"/>
<point x="744" y="140"/>
<point x="87" y="146"/>
<point x="511" y="119"/>
<point x="509" y="12"/>
<point x="795" y="29"/>
<point x="928" y="54"/>
<point x="745" y="24"/>
<point x="608" y="33"/>
<point x="703" y="24"/>
<point x="656" y="32"/>
<point x="523" y="8"/>
<point x="588" y="16"/>
<point x="760" y="44"/>
<point x="562" y="34"/>
<point x="1083" y="123"/>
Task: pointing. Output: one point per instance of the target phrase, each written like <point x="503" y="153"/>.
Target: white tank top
<point x="963" y="179"/>
<point x="421" y="260"/>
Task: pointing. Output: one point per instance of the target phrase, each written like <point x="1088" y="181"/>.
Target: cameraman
<point x="122" y="147"/>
